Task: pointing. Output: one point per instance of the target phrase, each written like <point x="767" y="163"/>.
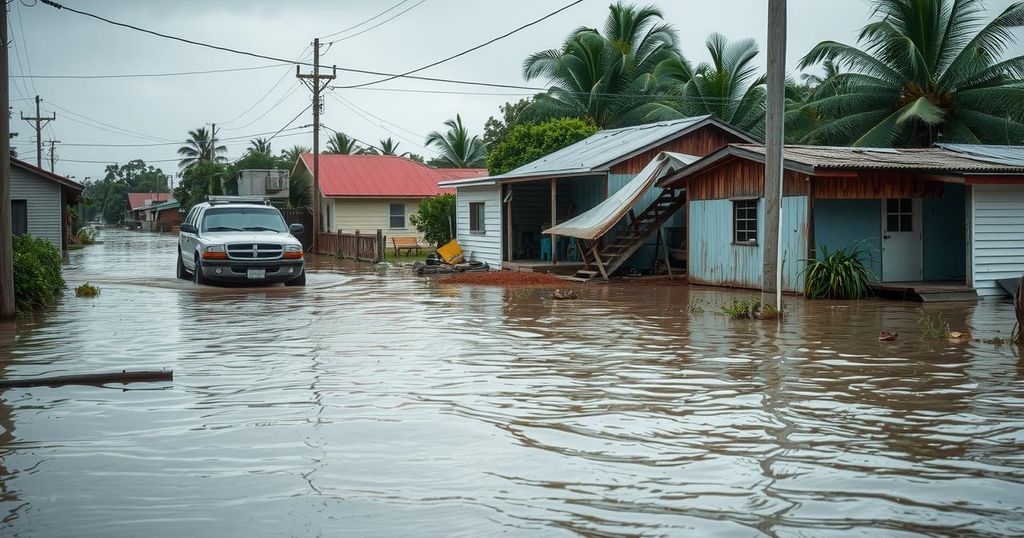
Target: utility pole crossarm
<point x="40" y="121"/>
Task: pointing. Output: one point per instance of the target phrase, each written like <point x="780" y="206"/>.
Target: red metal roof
<point x="137" y="200"/>
<point x="383" y="175"/>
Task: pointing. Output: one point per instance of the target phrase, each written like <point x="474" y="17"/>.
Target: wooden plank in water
<point x="89" y="379"/>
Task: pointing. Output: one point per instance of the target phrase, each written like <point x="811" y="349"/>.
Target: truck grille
<point x="254" y="251"/>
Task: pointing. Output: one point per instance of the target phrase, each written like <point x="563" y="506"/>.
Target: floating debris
<point x="886" y="336"/>
<point x="563" y="295"/>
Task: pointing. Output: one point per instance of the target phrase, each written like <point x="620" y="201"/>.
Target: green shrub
<point x="87" y="290"/>
<point x="751" y="309"/>
<point x="87" y="236"/>
<point x="935" y="328"/>
<point x="37" y="272"/>
<point x="838" y="275"/>
<point x="527" y="143"/>
<point x="435" y="219"/>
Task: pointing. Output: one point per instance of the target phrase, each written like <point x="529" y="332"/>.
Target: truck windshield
<point x="243" y="219"/>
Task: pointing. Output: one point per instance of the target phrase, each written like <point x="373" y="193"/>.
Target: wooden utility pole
<point x="53" y="156"/>
<point x="774" y="139"/>
<point x="313" y="81"/>
<point x="40" y="122"/>
<point x="7" y="308"/>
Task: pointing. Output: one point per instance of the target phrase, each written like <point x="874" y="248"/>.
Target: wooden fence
<point x="303" y="216"/>
<point x="366" y="247"/>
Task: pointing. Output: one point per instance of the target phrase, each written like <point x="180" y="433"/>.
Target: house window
<point x="19" y="217"/>
<point x="899" y="215"/>
<point x="476" y="218"/>
<point x="396" y="214"/>
<point x="744" y="213"/>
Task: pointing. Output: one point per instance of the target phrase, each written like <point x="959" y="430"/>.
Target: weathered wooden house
<point x="939" y="222"/>
<point x="501" y="219"/>
<point x="39" y="203"/>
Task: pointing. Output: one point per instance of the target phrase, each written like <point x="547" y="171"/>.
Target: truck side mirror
<point x="296" y="228"/>
<point x="189" y="228"/>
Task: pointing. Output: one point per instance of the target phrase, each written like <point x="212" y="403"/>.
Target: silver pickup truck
<point x="239" y="241"/>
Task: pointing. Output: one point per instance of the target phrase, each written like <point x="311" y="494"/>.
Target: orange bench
<point x="408" y="244"/>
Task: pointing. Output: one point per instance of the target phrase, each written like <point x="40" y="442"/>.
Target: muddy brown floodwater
<point x="380" y="403"/>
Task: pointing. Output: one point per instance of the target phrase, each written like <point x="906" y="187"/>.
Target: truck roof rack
<point x="221" y="199"/>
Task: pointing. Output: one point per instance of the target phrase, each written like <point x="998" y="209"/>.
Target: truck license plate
<point x="256" y="273"/>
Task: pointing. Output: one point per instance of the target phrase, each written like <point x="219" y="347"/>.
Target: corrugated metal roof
<point x="1005" y="155"/>
<point x="138" y="200"/>
<point x="383" y="175"/>
<point x="922" y="159"/>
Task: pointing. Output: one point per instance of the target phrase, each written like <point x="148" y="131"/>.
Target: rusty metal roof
<point x="1005" y="155"/>
<point x="818" y="160"/>
<point x="597" y="153"/>
<point x="382" y="176"/>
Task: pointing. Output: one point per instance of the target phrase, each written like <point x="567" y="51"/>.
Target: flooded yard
<point x="380" y="403"/>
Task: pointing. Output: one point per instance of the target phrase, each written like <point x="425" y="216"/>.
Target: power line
<point x="111" y="128"/>
<point x="385" y="21"/>
<point x="354" y="26"/>
<point x="158" y="144"/>
<point x="471" y="49"/>
<point x="273" y="107"/>
<point x="271" y="90"/>
<point x="153" y="75"/>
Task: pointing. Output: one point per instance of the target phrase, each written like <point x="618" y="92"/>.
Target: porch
<point x="925" y="292"/>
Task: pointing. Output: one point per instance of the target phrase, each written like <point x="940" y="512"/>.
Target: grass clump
<point x="87" y="236"/>
<point x="752" y="308"/>
<point x="696" y="306"/>
<point x="934" y="327"/>
<point x="37" y="272"/>
<point x="87" y="290"/>
<point x="838" y="275"/>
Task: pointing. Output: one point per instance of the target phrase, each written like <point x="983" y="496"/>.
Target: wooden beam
<point x="668" y="254"/>
<point x="504" y="192"/>
<point x="89" y="379"/>
<point x="994" y="180"/>
<point x="600" y="264"/>
<point x="554" y="220"/>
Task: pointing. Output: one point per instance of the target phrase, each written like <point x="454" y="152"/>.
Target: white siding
<point x="371" y="214"/>
<point x="42" y="198"/>
<point x="486" y="246"/>
<point x="998" y="229"/>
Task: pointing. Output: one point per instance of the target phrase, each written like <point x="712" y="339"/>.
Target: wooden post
<point x="554" y="220"/>
<point x="380" y="245"/>
<point x="337" y="243"/>
<point x="668" y="254"/>
<point x="773" y="168"/>
<point x="597" y="259"/>
<point x="1019" y="310"/>
<point x="357" y="246"/>
<point x="7" y="306"/>
<point x="510" y="236"/>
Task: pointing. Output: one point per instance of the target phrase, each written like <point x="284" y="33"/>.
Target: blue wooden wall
<point x="945" y="235"/>
<point x="716" y="260"/>
<point x="839" y="224"/>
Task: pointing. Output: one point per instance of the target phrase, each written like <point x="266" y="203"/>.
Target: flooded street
<point x="384" y="404"/>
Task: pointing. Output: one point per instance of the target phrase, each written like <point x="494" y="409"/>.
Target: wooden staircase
<point x="630" y="239"/>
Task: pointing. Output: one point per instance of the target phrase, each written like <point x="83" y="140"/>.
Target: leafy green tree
<point x="201" y="146"/>
<point x="926" y="71"/>
<point x="300" y="189"/>
<point x="729" y="87"/>
<point x="389" y="147"/>
<point x="137" y="176"/>
<point x="341" y="144"/>
<point x="198" y="181"/>
<point x="608" y="77"/>
<point x="291" y="155"/>
<point x="260" y="145"/>
<point x="457" y="148"/>
<point x="415" y="157"/>
<point x="527" y="143"/>
<point x="512" y="114"/>
<point x="434" y="219"/>
<point x="37" y="272"/>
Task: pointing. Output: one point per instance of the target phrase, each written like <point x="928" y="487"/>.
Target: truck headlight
<point x="215" y="252"/>
<point x="293" y="252"/>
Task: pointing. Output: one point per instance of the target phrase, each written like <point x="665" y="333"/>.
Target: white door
<point x="901" y="240"/>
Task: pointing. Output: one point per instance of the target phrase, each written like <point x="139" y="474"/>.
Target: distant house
<point x="162" y="216"/>
<point x="39" y="203"/>
<point x="376" y="192"/>
<point x="138" y="202"/>
<point x="948" y="216"/>
<point x="502" y="219"/>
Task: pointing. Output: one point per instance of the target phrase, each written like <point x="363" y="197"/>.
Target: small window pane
<point x="906" y="205"/>
<point x="906" y="223"/>
<point x="892" y="223"/>
<point x="397" y="215"/>
<point x="892" y="206"/>
<point x="476" y="217"/>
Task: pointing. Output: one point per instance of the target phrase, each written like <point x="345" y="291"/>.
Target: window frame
<point x="743" y="204"/>
<point x="481" y="218"/>
<point x="392" y="216"/>
<point x="23" y="203"/>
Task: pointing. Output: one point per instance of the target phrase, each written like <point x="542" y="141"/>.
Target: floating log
<point x="123" y="376"/>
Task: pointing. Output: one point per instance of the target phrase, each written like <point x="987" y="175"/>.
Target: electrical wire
<point x="378" y="25"/>
<point x="153" y="75"/>
<point x="109" y="127"/>
<point x="158" y="144"/>
<point x="271" y="90"/>
<point x="273" y="107"/>
<point x="471" y="49"/>
<point x="354" y="26"/>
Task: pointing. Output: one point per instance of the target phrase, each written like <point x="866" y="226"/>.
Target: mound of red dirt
<point x="506" y="279"/>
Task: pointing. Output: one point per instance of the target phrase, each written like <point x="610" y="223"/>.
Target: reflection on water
<point x="385" y="404"/>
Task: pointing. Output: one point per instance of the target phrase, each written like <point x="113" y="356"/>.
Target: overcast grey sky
<point x="162" y="110"/>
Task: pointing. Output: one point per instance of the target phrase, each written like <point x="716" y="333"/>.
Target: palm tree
<point x="457" y="148"/>
<point x="290" y="155"/>
<point x="341" y="144"/>
<point x="729" y="87"/>
<point x="389" y="147"/>
<point x="609" y="77"/>
<point x="926" y="71"/>
<point x="259" y="145"/>
<point x="201" y="146"/>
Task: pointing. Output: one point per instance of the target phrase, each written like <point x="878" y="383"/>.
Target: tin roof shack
<point x="501" y="219"/>
<point x="39" y="203"/>
<point x="138" y="203"/>
<point x="163" y="217"/>
<point x="376" y="192"/>
<point x="935" y="224"/>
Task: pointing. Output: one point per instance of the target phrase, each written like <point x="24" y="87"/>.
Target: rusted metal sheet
<point x="701" y="142"/>
<point x="714" y="258"/>
<point x="739" y="178"/>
